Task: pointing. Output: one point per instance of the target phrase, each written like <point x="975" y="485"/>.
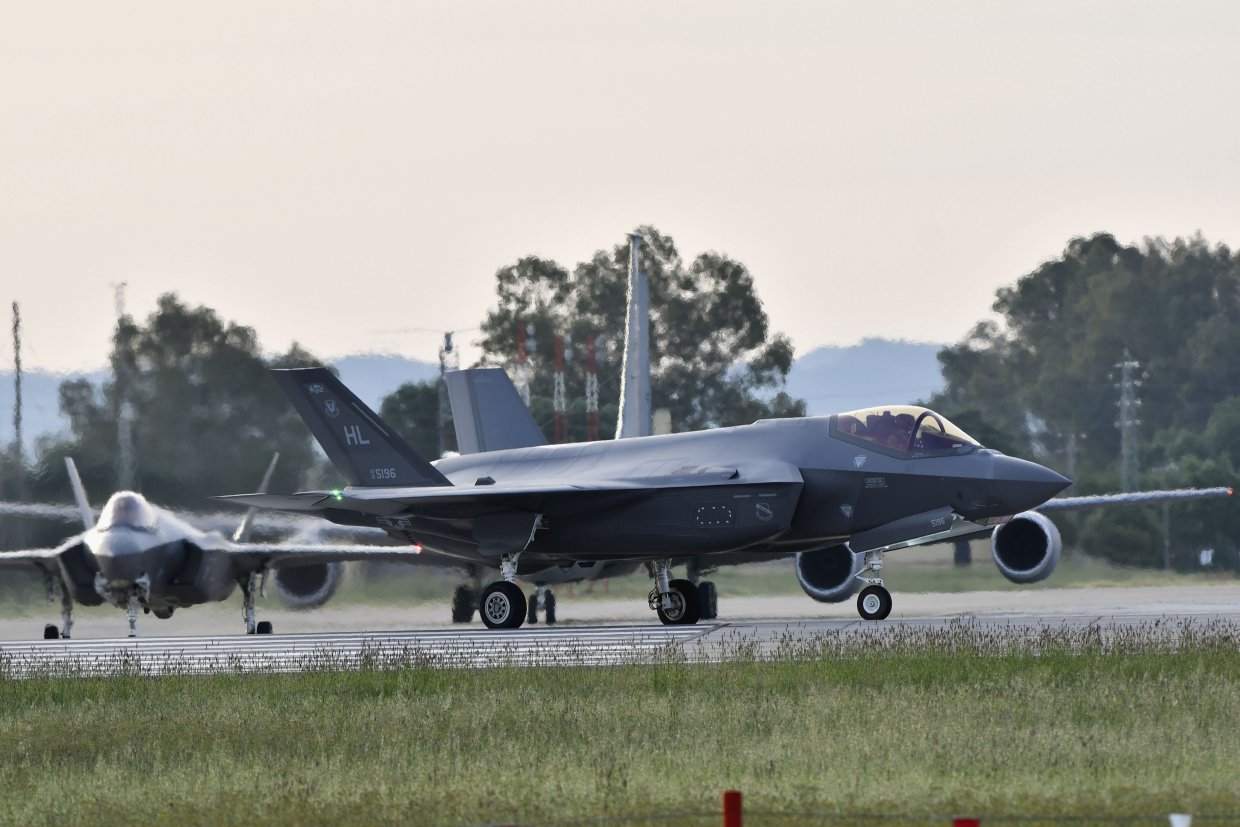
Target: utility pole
<point x="1128" y="423"/>
<point x="19" y="449"/>
<point x="449" y="359"/>
<point x="125" y="473"/>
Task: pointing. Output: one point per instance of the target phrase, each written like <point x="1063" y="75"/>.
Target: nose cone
<point x="121" y="555"/>
<point x="1021" y="485"/>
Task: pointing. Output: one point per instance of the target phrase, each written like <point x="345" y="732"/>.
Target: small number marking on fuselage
<point x="379" y="474"/>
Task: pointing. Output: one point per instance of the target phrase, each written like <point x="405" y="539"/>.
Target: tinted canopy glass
<point x="906" y="429"/>
<point x="129" y="510"/>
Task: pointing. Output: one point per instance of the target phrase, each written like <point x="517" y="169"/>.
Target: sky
<point x="351" y="176"/>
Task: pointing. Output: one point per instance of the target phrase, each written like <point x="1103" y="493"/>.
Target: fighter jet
<point x="139" y="557"/>
<point x="839" y="491"/>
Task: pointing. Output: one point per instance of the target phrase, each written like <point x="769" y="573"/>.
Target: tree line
<point x="1038" y="380"/>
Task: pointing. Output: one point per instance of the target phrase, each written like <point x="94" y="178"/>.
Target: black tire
<point x="263" y="627"/>
<point x="549" y="608"/>
<point x="502" y="606"/>
<point x="688" y="611"/>
<point x="50" y="632"/>
<point x="462" y="604"/>
<point x="708" y="601"/>
<point x="531" y="616"/>
<point x="874" y="603"/>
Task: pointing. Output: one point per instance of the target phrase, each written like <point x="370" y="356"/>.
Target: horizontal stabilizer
<point x="488" y="413"/>
<point x="363" y="448"/>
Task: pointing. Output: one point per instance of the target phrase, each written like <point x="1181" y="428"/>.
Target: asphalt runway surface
<point x="578" y="642"/>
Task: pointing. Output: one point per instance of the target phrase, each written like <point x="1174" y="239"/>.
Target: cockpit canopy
<point x="907" y="430"/>
<point x="127" y="510"/>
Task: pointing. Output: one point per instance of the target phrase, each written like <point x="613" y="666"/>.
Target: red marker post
<point x="732" y="808"/>
<point x="967" y="822"/>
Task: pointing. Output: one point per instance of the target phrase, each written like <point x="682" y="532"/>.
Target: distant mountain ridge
<point x="829" y="379"/>
<point x="873" y="372"/>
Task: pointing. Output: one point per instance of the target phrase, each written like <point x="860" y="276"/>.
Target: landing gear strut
<point x="249" y="587"/>
<point x="503" y="604"/>
<point x="56" y="590"/>
<point x="675" y="601"/>
<point x="874" y="602"/>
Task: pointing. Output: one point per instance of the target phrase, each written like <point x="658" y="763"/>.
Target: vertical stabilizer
<point x="242" y="534"/>
<point x="362" y="447"/>
<point x="488" y="412"/>
<point x="634" y="419"/>
<point x="79" y="494"/>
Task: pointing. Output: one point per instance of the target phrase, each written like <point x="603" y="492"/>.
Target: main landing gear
<point x="503" y="604"/>
<point x="874" y="602"/>
<point x="56" y="590"/>
<point x="675" y="601"/>
<point x="249" y="587"/>
<point x="542" y="600"/>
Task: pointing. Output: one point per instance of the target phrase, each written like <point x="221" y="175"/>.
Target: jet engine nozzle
<point x="307" y="587"/>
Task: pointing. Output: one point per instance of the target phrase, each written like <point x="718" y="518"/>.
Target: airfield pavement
<point x="600" y="632"/>
<point x="224" y="619"/>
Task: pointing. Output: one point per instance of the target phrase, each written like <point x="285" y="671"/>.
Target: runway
<point x="568" y="646"/>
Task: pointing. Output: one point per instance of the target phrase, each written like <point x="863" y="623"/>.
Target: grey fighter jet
<point x="142" y="558"/>
<point x="838" y="491"/>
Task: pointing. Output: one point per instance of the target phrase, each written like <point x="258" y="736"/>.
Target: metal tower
<point x="1128" y="423"/>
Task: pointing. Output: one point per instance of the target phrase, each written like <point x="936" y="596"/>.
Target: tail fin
<point x="79" y="494"/>
<point x="242" y="534"/>
<point x="488" y="413"/>
<point x="362" y="447"/>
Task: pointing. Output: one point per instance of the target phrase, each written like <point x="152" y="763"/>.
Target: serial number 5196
<point x="379" y="474"/>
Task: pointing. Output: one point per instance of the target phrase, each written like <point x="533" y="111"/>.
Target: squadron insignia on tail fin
<point x="363" y="447"/>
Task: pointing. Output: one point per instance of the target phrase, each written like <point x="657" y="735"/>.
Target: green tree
<point x="206" y="416"/>
<point x="714" y="361"/>
<point x="413" y="411"/>
<point x="1044" y="374"/>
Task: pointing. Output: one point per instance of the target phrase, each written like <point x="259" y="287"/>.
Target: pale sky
<point x="331" y="172"/>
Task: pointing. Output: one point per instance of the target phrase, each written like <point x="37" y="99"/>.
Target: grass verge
<point x="964" y="720"/>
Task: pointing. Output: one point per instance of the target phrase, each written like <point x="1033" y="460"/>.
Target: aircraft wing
<point x="44" y="559"/>
<point x="1132" y="498"/>
<point x="253" y="556"/>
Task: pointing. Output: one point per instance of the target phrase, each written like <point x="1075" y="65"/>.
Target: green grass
<point x="957" y="721"/>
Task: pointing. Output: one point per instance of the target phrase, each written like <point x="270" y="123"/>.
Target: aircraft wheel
<point x="263" y="627"/>
<point x="685" y="610"/>
<point x="503" y="606"/>
<point x="50" y="632"/>
<point x="708" y="600"/>
<point x="463" y="604"/>
<point x="549" y="608"/>
<point x="874" y="603"/>
<point x="531" y="617"/>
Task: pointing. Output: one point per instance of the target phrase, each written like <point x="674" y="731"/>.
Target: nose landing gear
<point x="874" y="602"/>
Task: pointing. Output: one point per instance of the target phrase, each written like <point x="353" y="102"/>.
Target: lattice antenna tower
<point x="525" y="344"/>
<point x="1129" y="422"/>
<point x="592" y="387"/>
<point x="559" y="396"/>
